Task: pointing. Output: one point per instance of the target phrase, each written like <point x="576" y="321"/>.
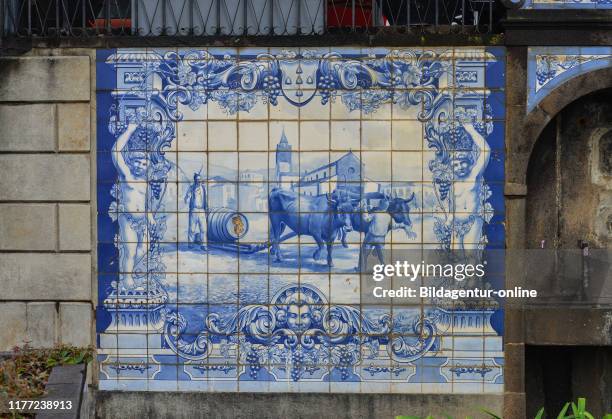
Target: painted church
<point x="344" y="174"/>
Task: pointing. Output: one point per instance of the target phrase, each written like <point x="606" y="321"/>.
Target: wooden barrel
<point x="226" y="225"/>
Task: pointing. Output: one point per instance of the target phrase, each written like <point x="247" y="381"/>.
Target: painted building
<point x="344" y="174"/>
<point x="285" y="172"/>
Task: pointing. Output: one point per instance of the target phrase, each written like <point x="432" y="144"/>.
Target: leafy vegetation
<point x="25" y="373"/>
<point x="578" y="411"/>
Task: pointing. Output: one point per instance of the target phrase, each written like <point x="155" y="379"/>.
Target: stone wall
<point x="45" y="210"/>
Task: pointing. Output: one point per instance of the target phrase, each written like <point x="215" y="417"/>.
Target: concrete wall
<point x="45" y="210"/>
<point x="112" y="404"/>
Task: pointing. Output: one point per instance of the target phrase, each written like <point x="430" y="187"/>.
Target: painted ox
<point x="321" y="217"/>
<point x="399" y="209"/>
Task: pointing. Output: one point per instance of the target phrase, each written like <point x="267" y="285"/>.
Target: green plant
<point x="25" y="374"/>
<point x="491" y="414"/>
<point x="578" y="411"/>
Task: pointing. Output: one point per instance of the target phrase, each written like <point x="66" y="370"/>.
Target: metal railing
<point x="86" y="18"/>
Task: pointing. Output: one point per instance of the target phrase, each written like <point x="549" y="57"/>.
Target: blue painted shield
<point x="299" y="80"/>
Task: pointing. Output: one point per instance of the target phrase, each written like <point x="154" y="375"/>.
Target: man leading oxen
<point x="398" y="208"/>
<point x="378" y="223"/>
<point x="321" y="217"/>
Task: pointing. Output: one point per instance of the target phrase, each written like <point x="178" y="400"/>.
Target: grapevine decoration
<point x="324" y="335"/>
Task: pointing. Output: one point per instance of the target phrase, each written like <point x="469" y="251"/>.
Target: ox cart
<point x="226" y="227"/>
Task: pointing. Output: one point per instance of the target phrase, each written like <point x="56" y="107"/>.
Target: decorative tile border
<point x="256" y="128"/>
<point x="550" y="67"/>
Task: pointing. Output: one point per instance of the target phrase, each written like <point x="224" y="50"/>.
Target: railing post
<point x="191" y="12"/>
<point x="490" y="16"/>
<point x="353" y="15"/>
<point x="408" y="12"/>
<point x="57" y="16"/>
<point x="298" y="29"/>
<point x="245" y="22"/>
<point x="325" y="22"/>
<point x="2" y="17"/>
<point x="163" y="13"/>
<point x="84" y="15"/>
<point x="134" y="17"/>
<point x="271" y="17"/>
<point x="218" y="17"/>
<point x="107" y="16"/>
<point x="436" y="22"/>
<point x="30" y="18"/>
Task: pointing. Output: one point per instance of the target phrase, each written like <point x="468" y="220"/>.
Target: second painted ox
<point x="321" y="217"/>
<point x="399" y="209"/>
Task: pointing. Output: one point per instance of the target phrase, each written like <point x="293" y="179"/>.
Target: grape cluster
<point x="297" y="365"/>
<point x="344" y="363"/>
<point x="272" y="88"/>
<point x="543" y="76"/>
<point x="443" y="187"/>
<point x="396" y="80"/>
<point x="445" y="238"/>
<point x="254" y="365"/>
<point x="203" y="83"/>
<point x="326" y="85"/>
<point x="156" y="187"/>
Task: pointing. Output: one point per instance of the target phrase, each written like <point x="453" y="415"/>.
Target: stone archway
<point x="569" y="177"/>
<point x="536" y="120"/>
<point x="568" y="203"/>
<point x="522" y="133"/>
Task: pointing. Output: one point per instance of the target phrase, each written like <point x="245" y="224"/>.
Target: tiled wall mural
<point x="549" y="67"/>
<point x="568" y="4"/>
<point x="235" y="189"/>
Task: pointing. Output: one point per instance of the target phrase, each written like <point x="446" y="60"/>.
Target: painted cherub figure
<point x="134" y="213"/>
<point x="458" y="169"/>
<point x="468" y="162"/>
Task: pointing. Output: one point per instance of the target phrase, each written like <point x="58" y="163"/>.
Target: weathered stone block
<point x="581" y="326"/>
<point x="41" y="318"/>
<point x="514" y="329"/>
<point x="12" y="325"/>
<point x="27" y="127"/>
<point x="75" y="323"/>
<point x="514" y="405"/>
<point x="49" y="177"/>
<point x="45" y="79"/>
<point x="514" y="371"/>
<point x="27" y="227"/>
<point x="73" y="126"/>
<point x="515" y="189"/>
<point x="74" y="227"/>
<point x="40" y="276"/>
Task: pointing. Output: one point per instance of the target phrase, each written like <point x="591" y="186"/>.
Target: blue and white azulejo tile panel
<point x="549" y="67"/>
<point x="236" y="188"/>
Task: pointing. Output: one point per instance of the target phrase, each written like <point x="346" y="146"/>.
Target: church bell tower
<point x="284" y="163"/>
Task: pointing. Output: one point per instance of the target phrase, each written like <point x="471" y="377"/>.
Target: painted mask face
<point x="299" y="317"/>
